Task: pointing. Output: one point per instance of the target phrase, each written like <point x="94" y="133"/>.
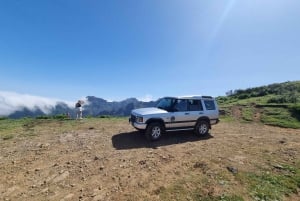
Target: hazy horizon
<point x="116" y="49"/>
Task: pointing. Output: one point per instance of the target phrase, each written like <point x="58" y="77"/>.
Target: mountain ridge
<point x="287" y="93"/>
<point x="95" y="107"/>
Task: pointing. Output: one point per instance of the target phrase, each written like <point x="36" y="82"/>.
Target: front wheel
<point x="202" y="128"/>
<point x="154" y="131"/>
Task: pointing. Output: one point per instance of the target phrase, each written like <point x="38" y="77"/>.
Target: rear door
<point x="195" y="109"/>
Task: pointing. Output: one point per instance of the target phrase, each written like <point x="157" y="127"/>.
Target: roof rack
<point x="207" y="97"/>
<point x="195" y="96"/>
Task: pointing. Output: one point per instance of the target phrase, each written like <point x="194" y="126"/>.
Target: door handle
<point x="186" y="113"/>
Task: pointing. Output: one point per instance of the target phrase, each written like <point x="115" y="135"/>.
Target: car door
<point x="195" y="109"/>
<point x="180" y="118"/>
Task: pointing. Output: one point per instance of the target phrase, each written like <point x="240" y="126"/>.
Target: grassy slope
<point x="276" y="104"/>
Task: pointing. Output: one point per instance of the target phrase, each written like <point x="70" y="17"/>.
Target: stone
<point x="232" y="169"/>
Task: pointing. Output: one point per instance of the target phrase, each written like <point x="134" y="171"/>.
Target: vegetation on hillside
<point x="275" y="104"/>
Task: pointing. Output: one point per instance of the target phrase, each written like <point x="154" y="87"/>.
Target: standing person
<point x="78" y="107"/>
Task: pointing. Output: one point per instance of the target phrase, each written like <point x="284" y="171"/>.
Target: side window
<point x="209" y="104"/>
<point x="195" y="105"/>
<point x="181" y="105"/>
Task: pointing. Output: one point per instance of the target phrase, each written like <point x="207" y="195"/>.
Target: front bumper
<point x="140" y="126"/>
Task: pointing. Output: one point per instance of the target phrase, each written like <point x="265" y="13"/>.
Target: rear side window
<point x="195" y="105"/>
<point x="209" y="104"/>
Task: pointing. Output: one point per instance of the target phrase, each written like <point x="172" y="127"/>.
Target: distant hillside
<point x="275" y="104"/>
<point x="95" y="107"/>
<point x="99" y="106"/>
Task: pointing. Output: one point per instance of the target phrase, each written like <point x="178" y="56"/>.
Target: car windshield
<point x="166" y="104"/>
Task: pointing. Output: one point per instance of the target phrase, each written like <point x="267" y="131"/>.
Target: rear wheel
<point x="202" y="128"/>
<point x="154" y="131"/>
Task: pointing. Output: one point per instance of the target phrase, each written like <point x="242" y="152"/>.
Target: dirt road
<point x="103" y="159"/>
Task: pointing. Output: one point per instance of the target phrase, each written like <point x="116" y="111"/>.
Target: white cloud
<point x="11" y="102"/>
<point x="146" y="98"/>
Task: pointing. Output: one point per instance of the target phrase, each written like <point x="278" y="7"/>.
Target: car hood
<point x="148" y="110"/>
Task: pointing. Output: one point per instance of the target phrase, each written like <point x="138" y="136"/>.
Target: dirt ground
<point x="108" y="160"/>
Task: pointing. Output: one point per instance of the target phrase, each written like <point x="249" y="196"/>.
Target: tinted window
<point x="181" y="105"/>
<point x="209" y="104"/>
<point x="195" y="105"/>
<point x="166" y="103"/>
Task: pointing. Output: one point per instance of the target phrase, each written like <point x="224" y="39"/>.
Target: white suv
<point x="177" y="113"/>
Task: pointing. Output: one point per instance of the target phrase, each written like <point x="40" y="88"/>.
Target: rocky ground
<point x="103" y="159"/>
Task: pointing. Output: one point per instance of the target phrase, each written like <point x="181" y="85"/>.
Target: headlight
<point x="139" y="119"/>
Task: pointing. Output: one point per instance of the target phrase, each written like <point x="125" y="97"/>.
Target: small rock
<point x="61" y="177"/>
<point x="200" y="165"/>
<point x="45" y="190"/>
<point x="68" y="197"/>
<point x="142" y="162"/>
<point x="277" y="166"/>
<point x="233" y="170"/>
<point x="282" y="141"/>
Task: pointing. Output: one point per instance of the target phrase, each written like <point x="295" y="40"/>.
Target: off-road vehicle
<point x="196" y="113"/>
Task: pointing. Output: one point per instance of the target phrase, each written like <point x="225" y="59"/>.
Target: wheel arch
<point x="156" y="120"/>
<point x="205" y="118"/>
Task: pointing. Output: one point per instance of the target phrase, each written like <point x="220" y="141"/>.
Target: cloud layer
<point x="11" y="102"/>
<point x="146" y="98"/>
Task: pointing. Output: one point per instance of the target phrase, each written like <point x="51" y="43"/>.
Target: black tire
<point x="154" y="131"/>
<point x="202" y="128"/>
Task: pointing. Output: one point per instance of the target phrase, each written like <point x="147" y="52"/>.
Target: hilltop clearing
<point x="275" y="104"/>
<point x="105" y="159"/>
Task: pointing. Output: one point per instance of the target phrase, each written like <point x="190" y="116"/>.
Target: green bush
<point x="295" y="110"/>
<point x="43" y="117"/>
<point x="286" y="98"/>
<point x="60" y="116"/>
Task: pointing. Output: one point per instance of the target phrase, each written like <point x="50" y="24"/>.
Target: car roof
<point x="196" y="97"/>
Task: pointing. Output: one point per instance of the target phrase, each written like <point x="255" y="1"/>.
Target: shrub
<point x="42" y="117"/>
<point x="60" y="116"/>
<point x="295" y="110"/>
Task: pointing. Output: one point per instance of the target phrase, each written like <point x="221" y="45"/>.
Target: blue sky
<point x="116" y="49"/>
